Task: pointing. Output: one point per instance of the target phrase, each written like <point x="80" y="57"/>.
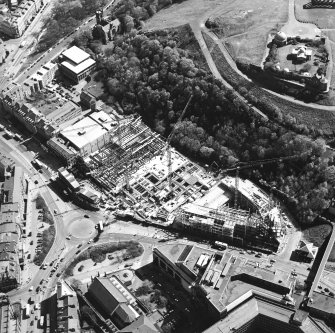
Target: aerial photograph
<point x="167" y="166"/>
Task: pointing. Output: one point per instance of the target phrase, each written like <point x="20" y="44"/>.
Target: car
<point x="258" y="255"/>
<point x="272" y="260"/>
<point x="31" y="288"/>
<point x="87" y="216"/>
<point x="31" y="242"/>
<point x="242" y="252"/>
<point x="58" y="275"/>
<point x="79" y="245"/>
<point x="36" y="181"/>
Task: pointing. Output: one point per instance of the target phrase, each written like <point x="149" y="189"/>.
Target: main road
<point x="54" y="204"/>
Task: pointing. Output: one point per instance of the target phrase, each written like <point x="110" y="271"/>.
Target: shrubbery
<point x="48" y="237"/>
<point x="98" y="253"/>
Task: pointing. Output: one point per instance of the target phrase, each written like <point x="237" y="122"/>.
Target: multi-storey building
<point x="13" y="215"/>
<point x="240" y="296"/>
<point x="14" y="22"/>
<point x="76" y="64"/>
<point x="39" y="80"/>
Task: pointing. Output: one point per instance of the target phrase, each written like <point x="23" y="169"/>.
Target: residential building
<point x="68" y="179"/>
<point x="8" y="322"/>
<point x="76" y="64"/>
<point x="14" y="22"/>
<point x="41" y="78"/>
<point x="67" y="309"/>
<point x="13" y="210"/>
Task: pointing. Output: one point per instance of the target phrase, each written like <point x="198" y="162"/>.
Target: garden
<point x="101" y="252"/>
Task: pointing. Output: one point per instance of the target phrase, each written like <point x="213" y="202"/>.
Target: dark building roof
<point x="141" y="325"/>
<point x="125" y="314"/>
<point x="106" y="294"/>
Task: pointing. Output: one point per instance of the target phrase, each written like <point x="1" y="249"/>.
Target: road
<point x="53" y="52"/>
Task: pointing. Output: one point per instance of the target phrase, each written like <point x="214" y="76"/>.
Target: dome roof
<point x="280" y="36"/>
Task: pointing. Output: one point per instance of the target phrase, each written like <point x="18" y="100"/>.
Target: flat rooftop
<point x="323" y="302"/>
<point x="225" y="278"/>
<point x="76" y="55"/>
<point x="217" y="196"/>
<point x="83" y="132"/>
<point x="106" y="120"/>
<point x="78" y="68"/>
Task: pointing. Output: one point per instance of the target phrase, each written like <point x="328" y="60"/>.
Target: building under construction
<point x="234" y="226"/>
<point x="162" y="186"/>
<point x="155" y="182"/>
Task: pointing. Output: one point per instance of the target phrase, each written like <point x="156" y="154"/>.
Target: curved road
<point x="292" y="25"/>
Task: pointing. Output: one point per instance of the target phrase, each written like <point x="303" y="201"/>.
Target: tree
<point x="128" y="23"/>
<point x="99" y="34"/>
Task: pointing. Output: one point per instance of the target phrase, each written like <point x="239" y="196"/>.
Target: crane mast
<point x="252" y="164"/>
<point x="168" y="141"/>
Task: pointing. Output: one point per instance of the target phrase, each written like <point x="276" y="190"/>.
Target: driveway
<point x="296" y="28"/>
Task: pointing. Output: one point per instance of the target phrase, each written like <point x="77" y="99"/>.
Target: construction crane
<point x="170" y="137"/>
<point x="247" y="165"/>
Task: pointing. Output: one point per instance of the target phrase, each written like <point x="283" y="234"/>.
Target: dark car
<point x="87" y="216"/>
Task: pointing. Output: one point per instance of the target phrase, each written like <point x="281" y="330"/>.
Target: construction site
<point x="149" y="180"/>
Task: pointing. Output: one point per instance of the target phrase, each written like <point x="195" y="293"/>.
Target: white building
<point x="76" y="64"/>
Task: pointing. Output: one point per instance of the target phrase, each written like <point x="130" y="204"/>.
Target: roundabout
<point x="81" y="228"/>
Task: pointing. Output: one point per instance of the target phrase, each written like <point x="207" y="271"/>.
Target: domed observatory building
<point x="280" y="38"/>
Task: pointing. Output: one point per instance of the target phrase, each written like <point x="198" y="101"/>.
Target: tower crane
<point x="247" y="165"/>
<point x="167" y="147"/>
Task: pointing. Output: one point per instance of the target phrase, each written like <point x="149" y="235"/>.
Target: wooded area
<point x="153" y="77"/>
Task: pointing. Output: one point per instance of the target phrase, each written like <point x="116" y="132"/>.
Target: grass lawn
<point x="322" y="17"/>
<point x="304" y="114"/>
<point x="239" y="24"/>
<point x="242" y="48"/>
<point x="285" y="51"/>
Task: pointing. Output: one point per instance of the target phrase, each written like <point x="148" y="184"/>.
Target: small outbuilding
<point x="280" y="38"/>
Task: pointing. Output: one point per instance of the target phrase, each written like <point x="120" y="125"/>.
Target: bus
<point x="37" y="164"/>
<point x="27" y="310"/>
<point x="220" y="245"/>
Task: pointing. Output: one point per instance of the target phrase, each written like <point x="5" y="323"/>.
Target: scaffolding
<point x="228" y="224"/>
<point x="135" y="145"/>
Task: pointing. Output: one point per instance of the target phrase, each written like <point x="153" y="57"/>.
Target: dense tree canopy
<point x="154" y="78"/>
<point x="65" y="17"/>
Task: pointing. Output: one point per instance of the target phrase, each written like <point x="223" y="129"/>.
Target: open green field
<point x="323" y="120"/>
<point x="322" y="17"/>
<point x="242" y="49"/>
<point x="240" y="25"/>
